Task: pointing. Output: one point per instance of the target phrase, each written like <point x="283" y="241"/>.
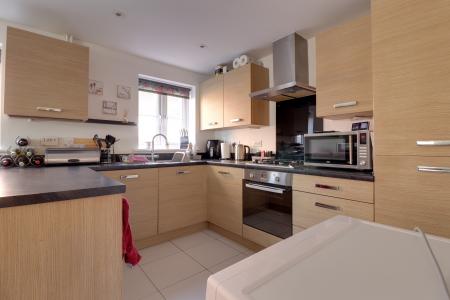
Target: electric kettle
<point x="241" y="152"/>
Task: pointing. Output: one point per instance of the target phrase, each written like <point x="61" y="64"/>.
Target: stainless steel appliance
<point x="290" y="71"/>
<point x="55" y="156"/>
<point x="241" y="152"/>
<point x="349" y="150"/>
<point x="213" y="149"/>
<point x="267" y="201"/>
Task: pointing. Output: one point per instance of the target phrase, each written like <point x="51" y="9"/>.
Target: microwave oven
<point x="349" y="150"/>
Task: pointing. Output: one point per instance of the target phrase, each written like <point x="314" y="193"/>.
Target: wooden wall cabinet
<point x="142" y="194"/>
<point x="211" y="103"/>
<point x="182" y="197"/>
<point x="45" y="77"/>
<point x="225" y="197"/>
<point x="344" y="70"/>
<point x="225" y="100"/>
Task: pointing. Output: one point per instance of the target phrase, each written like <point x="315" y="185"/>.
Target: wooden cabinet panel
<point x="260" y="237"/>
<point x="45" y="77"/>
<point x="225" y="197"/>
<point x="311" y="209"/>
<point x="297" y="229"/>
<point x="239" y="108"/>
<point x="344" y="70"/>
<point x="335" y="187"/>
<point x="408" y="198"/>
<point x="182" y="197"/>
<point x="211" y="103"/>
<point x="411" y="65"/>
<point x="142" y="194"/>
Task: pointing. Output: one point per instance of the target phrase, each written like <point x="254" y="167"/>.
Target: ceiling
<point x="172" y="31"/>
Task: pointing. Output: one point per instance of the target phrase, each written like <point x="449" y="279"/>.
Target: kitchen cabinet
<point x="211" y="103"/>
<point x="344" y="70"/>
<point x="182" y="197"/>
<point x="311" y="209"/>
<point x="411" y="63"/>
<point x="142" y="194"/>
<point x="225" y="197"/>
<point x="45" y="77"/>
<point x="239" y="108"/>
<point x="260" y="237"/>
<point x="413" y="191"/>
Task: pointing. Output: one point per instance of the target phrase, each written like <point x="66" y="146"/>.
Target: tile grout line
<point x="148" y="277"/>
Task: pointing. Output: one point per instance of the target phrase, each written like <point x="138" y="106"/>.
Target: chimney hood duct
<point x="290" y="71"/>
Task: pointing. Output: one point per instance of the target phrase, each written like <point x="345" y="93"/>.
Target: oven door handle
<point x="265" y="188"/>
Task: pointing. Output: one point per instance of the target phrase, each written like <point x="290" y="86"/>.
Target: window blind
<point x="164" y="88"/>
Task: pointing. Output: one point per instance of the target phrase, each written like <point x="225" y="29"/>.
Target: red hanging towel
<point x="130" y="253"/>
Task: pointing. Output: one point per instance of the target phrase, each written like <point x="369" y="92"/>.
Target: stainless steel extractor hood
<point x="290" y="71"/>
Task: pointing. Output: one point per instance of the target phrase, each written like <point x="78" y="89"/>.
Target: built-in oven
<point x="267" y="201"/>
<point x="350" y="150"/>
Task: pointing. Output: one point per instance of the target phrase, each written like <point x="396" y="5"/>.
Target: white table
<point x="340" y="259"/>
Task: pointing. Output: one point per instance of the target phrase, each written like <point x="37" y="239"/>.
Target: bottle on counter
<point x="6" y="161"/>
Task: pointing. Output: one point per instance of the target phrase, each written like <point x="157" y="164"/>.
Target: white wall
<point x="111" y="67"/>
<point x="264" y="138"/>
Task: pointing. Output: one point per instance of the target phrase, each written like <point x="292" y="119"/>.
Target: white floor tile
<point x="169" y="270"/>
<point x="157" y="252"/>
<point x="212" y="253"/>
<point x="154" y="296"/>
<point x="193" y="288"/>
<point x="193" y="240"/>
<point x="235" y="245"/>
<point x="136" y="285"/>
<point x="212" y="234"/>
<point x="227" y="263"/>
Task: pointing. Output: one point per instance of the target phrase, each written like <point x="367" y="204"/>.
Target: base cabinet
<point x="260" y="237"/>
<point x="182" y="197"/>
<point x="225" y="198"/>
<point x="142" y="195"/>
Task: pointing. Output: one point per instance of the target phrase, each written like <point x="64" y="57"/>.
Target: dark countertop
<point x="32" y="186"/>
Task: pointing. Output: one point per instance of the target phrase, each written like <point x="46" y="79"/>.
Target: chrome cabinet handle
<point x="345" y="104"/>
<point x="213" y="123"/>
<point x="183" y="172"/>
<point x="223" y="173"/>
<point x="433" y="169"/>
<point x="237" y="120"/>
<point x="49" y="109"/>
<point x="327" y="187"/>
<point x="124" y="177"/>
<point x="327" y="206"/>
<point x="433" y="143"/>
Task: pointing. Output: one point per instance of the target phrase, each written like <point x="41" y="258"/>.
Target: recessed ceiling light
<point x="119" y="14"/>
<point x="203" y="46"/>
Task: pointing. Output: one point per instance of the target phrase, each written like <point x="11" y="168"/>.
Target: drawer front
<point x="182" y="197"/>
<point x="260" y="237"/>
<point x="225" y="198"/>
<point x="135" y="178"/>
<point x="408" y="197"/>
<point x="311" y="209"/>
<point x="335" y="187"/>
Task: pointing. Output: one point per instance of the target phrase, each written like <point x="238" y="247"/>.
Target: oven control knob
<point x="363" y="163"/>
<point x="252" y="175"/>
<point x="277" y="179"/>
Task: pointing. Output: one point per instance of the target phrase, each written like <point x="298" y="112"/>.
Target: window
<point x="161" y="112"/>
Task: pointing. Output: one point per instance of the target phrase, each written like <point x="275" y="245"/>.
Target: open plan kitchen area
<point x="225" y="150"/>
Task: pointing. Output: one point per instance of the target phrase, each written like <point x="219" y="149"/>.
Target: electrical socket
<point x="258" y="143"/>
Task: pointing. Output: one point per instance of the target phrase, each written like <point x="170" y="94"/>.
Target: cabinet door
<point x="142" y="195"/>
<point x="182" y="197"/>
<point x="411" y="62"/>
<point x="344" y="70"/>
<point x="211" y="103"/>
<point x="45" y="77"/>
<point x="239" y="108"/>
<point x="225" y="198"/>
<point x="311" y="209"/>
<point x="407" y="197"/>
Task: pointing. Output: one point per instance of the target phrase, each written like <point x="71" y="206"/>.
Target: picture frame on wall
<point x="95" y="87"/>
<point x="123" y="92"/>
<point x="109" y="107"/>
